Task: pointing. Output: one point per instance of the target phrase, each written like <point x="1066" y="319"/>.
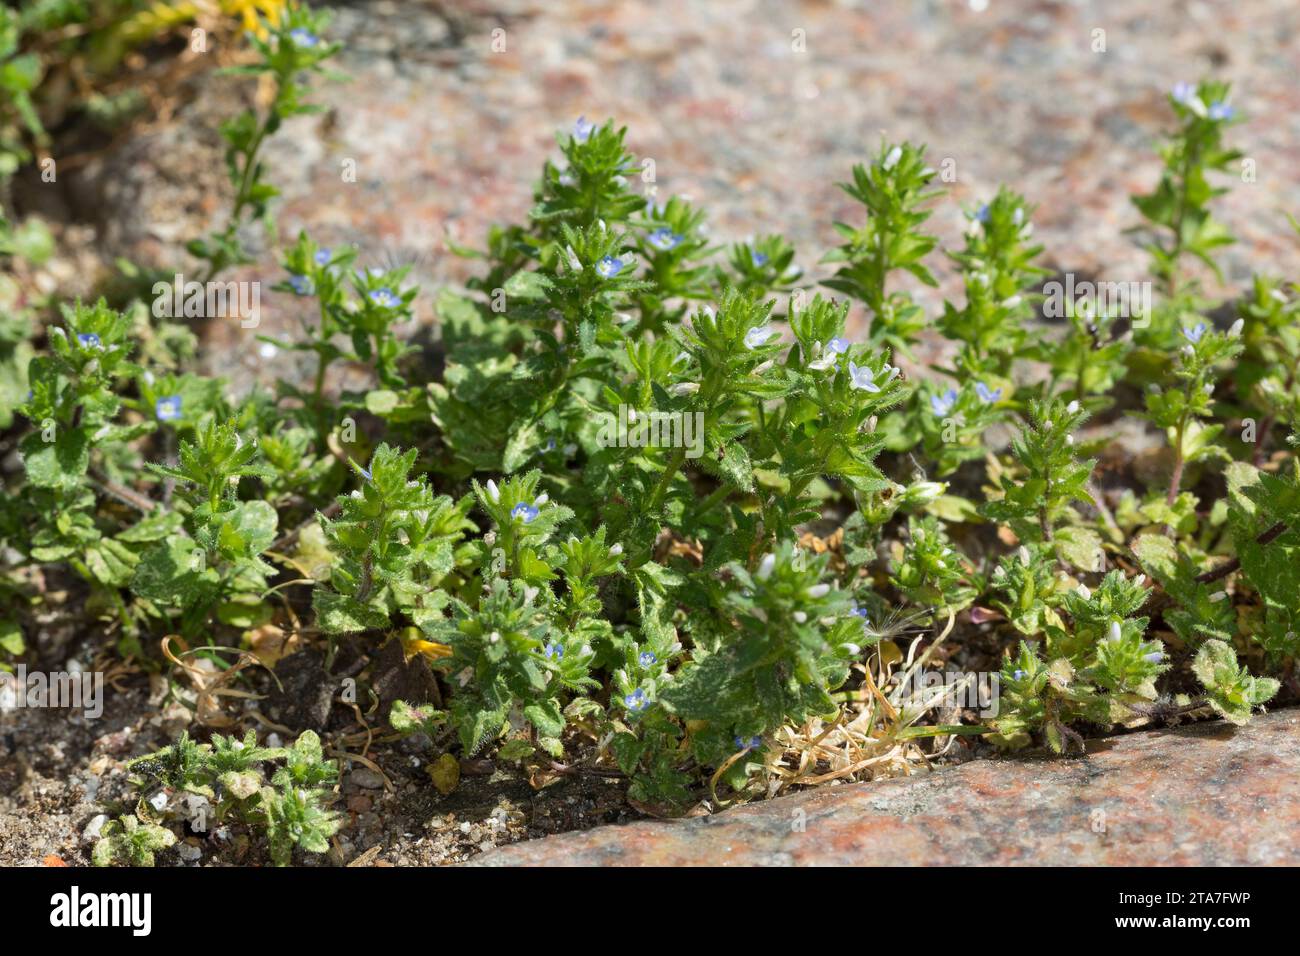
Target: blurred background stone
<point x="753" y="108"/>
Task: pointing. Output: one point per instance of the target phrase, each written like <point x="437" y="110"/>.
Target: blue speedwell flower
<point x="609" y="267"/>
<point x="636" y="701"/>
<point x="749" y="743"/>
<point x="1195" y="333"/>
<point x="168" y="409"/>
<point x="986" y="395"/>
<point x="89" y="340"/>
<point x="1018" y="675"/>
<point x="838" y="345"/>
<point x="758" y="258"/>
<point x="1182" y="92"/>
<point x="647" y="658"/>
<point x="862" y="378"/>
<point x="941" y="405"/>
<point x="322" y="257"/>
<point x="303" y="38"/>
<point x="582" y="130"/>
<point x="758" y="335"/>
<point x="982" y="214"/>
<point x="300" y="284"/>
<point x="1221" y="111"/>
<point x="385" y="299"/>
<point x="554" y="651"/>
<point x="664" y="239"/>
<point x="525" y="511"/>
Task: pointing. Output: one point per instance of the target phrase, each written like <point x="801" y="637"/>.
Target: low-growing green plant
<point x="660" y="513"/>
<point x="1178" y="209"/>
<point x="129" y="842"/>
<point x="228" y="778"/>
<point x="1040" y="496"/>
<point x="293" y="46"/>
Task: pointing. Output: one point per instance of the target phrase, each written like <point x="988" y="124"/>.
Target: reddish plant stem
<point x="1223" y="570"/>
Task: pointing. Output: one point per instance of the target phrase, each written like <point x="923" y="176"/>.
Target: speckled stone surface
<point x="739" y="119"/>
<point x="753" y="108"/>
<point x="1206" y="795"/>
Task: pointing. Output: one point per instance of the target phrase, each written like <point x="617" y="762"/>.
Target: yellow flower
<point x="248" y="10"/>
<point x="414" y="645"/>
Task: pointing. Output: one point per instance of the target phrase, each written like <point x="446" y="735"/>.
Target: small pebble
<point x="93" y="828"/>
<point x="365" y="778"/>
<point x="188" y="853"/>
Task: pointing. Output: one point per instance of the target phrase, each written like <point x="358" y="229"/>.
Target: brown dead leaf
<point x="269" y="643"/>
<point x="669" y="545"/>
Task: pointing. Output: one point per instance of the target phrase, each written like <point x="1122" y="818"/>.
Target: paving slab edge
<point x="1206" y="794"/>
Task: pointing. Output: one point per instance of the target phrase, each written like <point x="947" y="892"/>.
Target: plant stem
<point x="1176" y="249"/>
<point x="1176" y="476"/>
<point x="1223" y="570"/>
<point x="670" y="470"/>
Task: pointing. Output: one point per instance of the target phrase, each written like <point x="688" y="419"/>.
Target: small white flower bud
<point x="615" y="550"/>
<point x="818" y="590"/>
<point x="493" y="492"/>
<point x="765" y="567"/>
<point x="1235" y="330"/>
